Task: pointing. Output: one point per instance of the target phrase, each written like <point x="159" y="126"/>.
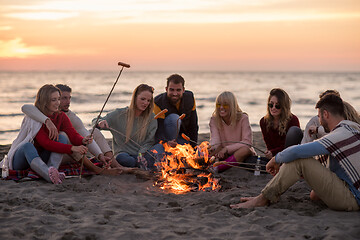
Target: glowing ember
<point x="185" y="169"/>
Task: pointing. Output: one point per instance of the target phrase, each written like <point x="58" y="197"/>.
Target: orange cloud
<point x="16" y="48"/>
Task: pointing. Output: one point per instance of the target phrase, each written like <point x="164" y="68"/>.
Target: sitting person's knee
<point x="293" y="136"/>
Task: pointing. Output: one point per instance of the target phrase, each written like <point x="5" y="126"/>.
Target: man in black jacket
<point x="177" y="101"/>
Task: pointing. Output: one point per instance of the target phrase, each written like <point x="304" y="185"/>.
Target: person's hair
<point x="234" y="109"/>
<point x="145" y="115"/>
<point x="285" y="105"/>
<point x="43" y="96"/>
<point x="175" y="78"/>
<point x="350" y="113"/>
<point x="330" y="91"/>
<point x="331" y="103"/>
<point x="63" y="87"/>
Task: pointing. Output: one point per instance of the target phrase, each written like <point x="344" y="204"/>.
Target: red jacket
<point x="62" y="123"/>
<point x="274" y="141"/>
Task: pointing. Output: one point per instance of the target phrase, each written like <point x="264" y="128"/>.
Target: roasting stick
<point x="187" y="138"/>
<point x="231" y="164"/>
<point x="160" y="113"/>
<point x="112" y="129"/>
<point x="122" y="134"/>
<point x="244" y="163"/>
<point x="241" y="143"/>
<point x="122" y="67"/>
<point x="155" y="117"/>
<point x="227" y="163"/>
<point x="134" y="170"/>
<point x="181" y="117"/>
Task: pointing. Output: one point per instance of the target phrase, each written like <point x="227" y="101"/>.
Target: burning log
<point x="185" y="169"/>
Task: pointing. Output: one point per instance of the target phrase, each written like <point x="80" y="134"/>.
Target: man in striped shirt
<point x="337" y="186"/>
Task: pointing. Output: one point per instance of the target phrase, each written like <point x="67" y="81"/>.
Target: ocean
<point x="91" y="88"/>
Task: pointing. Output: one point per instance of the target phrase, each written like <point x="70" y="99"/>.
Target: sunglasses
<point x="271" y="105"/>
<point x="225" y="106"/>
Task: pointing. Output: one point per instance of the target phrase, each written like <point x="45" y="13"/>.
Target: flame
<point x="178" y="167"/>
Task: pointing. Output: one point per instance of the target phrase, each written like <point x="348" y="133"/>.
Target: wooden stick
<point x="155" y="117"/>
<point x="161" y="112"/>
<point x="97" y="120"/>
<point x="250" y="164"/>
<point x="181" y="117"/>
<point x="243" y="167"/>
<point x="130" y="140"/>
<point x="187" y="138"/>
<point x="214" y="144"/>
<point x="81" y="167"/>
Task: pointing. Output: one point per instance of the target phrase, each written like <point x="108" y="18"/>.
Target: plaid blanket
<point x="70" y="169"/>
<point x="343" y="143"/>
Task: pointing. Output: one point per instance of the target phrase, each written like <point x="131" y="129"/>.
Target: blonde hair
<point x="350" y="113"/>
<point x="285" y="104"/>
<point x="234" y="109"/>
<point x="145" y="115"/>
<point x="43" y="97"/>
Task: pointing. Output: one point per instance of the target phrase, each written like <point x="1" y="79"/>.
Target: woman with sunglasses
<point x="280" y="128"/>
<point x="133" y="129"/>
<point x="228" y="127"/>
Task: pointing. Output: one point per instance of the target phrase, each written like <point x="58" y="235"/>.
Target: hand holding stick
<point x="122" y="67"/>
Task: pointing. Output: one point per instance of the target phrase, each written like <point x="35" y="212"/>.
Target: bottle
<point x="257" y="167"/>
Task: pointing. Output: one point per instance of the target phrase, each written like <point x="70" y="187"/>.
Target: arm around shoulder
<point x="34" y="113"/>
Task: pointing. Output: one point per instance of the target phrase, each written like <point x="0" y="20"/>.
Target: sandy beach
<point x="127" y="207"/>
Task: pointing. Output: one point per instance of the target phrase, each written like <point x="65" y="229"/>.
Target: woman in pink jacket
<point x="229" y="126"/>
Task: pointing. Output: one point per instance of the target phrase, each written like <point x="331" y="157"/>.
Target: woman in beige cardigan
<point x="228" y="127"/>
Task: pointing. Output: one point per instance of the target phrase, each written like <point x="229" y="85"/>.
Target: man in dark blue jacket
<point x="172" y="124"/>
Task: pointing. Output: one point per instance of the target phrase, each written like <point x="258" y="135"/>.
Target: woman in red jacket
<point x="280" y="128"/>
<point x="33" y="148"/>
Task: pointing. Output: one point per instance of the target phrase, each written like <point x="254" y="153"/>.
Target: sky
<point x="180" y="35"/>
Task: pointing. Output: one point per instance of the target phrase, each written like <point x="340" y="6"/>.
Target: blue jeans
<point x="27" y="152"/>
<point x="171" y="129"/>
<point x="127" y="160"/>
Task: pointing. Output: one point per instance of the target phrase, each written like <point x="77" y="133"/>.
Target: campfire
<point x="185" y="169"/>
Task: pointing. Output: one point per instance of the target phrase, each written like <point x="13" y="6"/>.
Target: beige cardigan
<point x="229" y="133"/>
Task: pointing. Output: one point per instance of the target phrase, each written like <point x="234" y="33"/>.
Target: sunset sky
<point x="224" y="35"/>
